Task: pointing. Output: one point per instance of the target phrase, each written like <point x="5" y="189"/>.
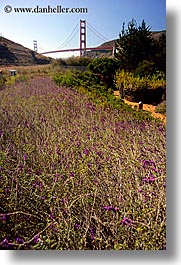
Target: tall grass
<point x="75" y="175"/>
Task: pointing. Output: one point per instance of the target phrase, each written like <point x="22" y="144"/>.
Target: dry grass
<point x="77" y="176"/>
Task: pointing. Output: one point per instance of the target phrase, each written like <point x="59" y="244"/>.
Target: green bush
<point x="58" y="62"/>
<point x="145" y="69"/>
<point x="78" y="61"/>
<point x="68" y="79"/>
<point x="161" y="108"/>
<point x="2" y="83"/>
<point x="89" y="84"/>
<point x="150" y="90"/>
<point x="105" y="68"/>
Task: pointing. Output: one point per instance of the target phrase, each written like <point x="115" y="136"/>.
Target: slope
<point x="12" y="53"/>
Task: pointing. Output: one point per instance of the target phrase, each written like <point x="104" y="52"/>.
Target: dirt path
<point x="147" y="107"/>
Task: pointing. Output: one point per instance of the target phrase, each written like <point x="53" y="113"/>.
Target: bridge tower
<point x="82" y="36"/>
<point x="35" y="46"/>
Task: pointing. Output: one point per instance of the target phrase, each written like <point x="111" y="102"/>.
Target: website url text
<point x="48" y="9"/>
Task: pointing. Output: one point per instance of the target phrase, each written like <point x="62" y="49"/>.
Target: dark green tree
<point x="134" y="45"/>
<point x="105" y="68"/>
<point x="145" y="68"/>
<point x="160" y="53"/>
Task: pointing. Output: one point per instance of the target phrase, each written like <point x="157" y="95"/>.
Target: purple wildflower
<point x="89" y="165"/>
<point x="7" y="191"/>
<point x="55" y="179"/>
<point x="153" y="193"/>
<point x="3" y="217"/>
<point x="36" y="238"/>
<point x="86" y="152"/>
<point x="148" y="163"/>
<point x="52" y="216"/>
<point x="154" y="169"/>
<point x="14" y="180"/>
<point x="27" y="124"/>
<point x="1" y="134"/>
<point x="20" y="167"/>
<point x="77" y="226"/>
<point x="78" y="144"/>
<point x="92" y="232"/>
<point x="41" y="186"/>
<point x="148" y="180"/>
<point x="126" y="221"/>
<point x="110" y="208"/>
<point x="58" y="152"/>
<point x="39" y="172"/>
<point x="72" y="174"/>
<point x="29" y="170"/>
<point x="19" y="240"/>
<point x="4" y="243"/>
<point x="51" y="226"/>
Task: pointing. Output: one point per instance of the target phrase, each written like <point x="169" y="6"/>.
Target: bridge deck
<point x="106" y="48"/>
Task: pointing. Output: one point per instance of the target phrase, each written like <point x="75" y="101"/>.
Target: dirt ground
<point x="147" y="107"/>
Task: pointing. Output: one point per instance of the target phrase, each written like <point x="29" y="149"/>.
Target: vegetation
<point x="105" y="68"/>
<point x="72" y="61"/>
<point x="78" y="175"/>
<point x="89" y="84"/>
<point x="161" y="108"/>
<point x="79" y="168"/>
<point x="151" y="89"/>
<point x="137" y="50"/>
<point x="2" y="83"/>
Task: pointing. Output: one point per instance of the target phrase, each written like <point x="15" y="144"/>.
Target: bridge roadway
<point x="104" y="48"/>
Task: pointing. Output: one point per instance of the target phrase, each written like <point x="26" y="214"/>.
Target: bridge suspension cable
<point x="97" y="33"/>
<point x="70" y="37"/>
<point x="82" y="39"/>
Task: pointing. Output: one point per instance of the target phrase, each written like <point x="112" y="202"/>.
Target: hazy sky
<point x="51" y="30"/>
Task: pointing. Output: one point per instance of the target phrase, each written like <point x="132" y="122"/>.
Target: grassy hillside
<point x="12" y="53"/>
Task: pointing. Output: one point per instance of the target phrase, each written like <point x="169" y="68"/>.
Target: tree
<point x="145" y="69"/>
<point x="160" y="53"/>
<point x="134" y="45"/>
<point x="105" y="68"/>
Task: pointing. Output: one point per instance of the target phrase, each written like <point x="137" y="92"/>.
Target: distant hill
<point x="12" y="53"/>
<point x="155" y="34"/>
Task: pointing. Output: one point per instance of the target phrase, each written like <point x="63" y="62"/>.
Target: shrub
<point x="2" y="83"/>
<point x="78" y="61"/>
<point x="105" y="68"/>
<point x="58" y="62"/>
<point x="150" y="90"/>
<point x="145" y="69"/>
<point x="161" y="108"/>
<point x="67" y="78"/>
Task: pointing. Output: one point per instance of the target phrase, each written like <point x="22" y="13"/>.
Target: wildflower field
<point x="77" y="175"/>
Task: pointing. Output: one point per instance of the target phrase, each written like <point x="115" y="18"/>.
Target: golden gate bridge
<point x="83" y="44"/>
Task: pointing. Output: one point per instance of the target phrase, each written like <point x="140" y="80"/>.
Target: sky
<point x="50" y="30"/>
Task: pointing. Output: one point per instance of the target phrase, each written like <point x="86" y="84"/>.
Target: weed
<point x="78" y="175"/>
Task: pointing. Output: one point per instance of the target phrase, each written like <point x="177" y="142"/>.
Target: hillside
<point x="12" y="53"/>
<point x="155" y="34"/>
